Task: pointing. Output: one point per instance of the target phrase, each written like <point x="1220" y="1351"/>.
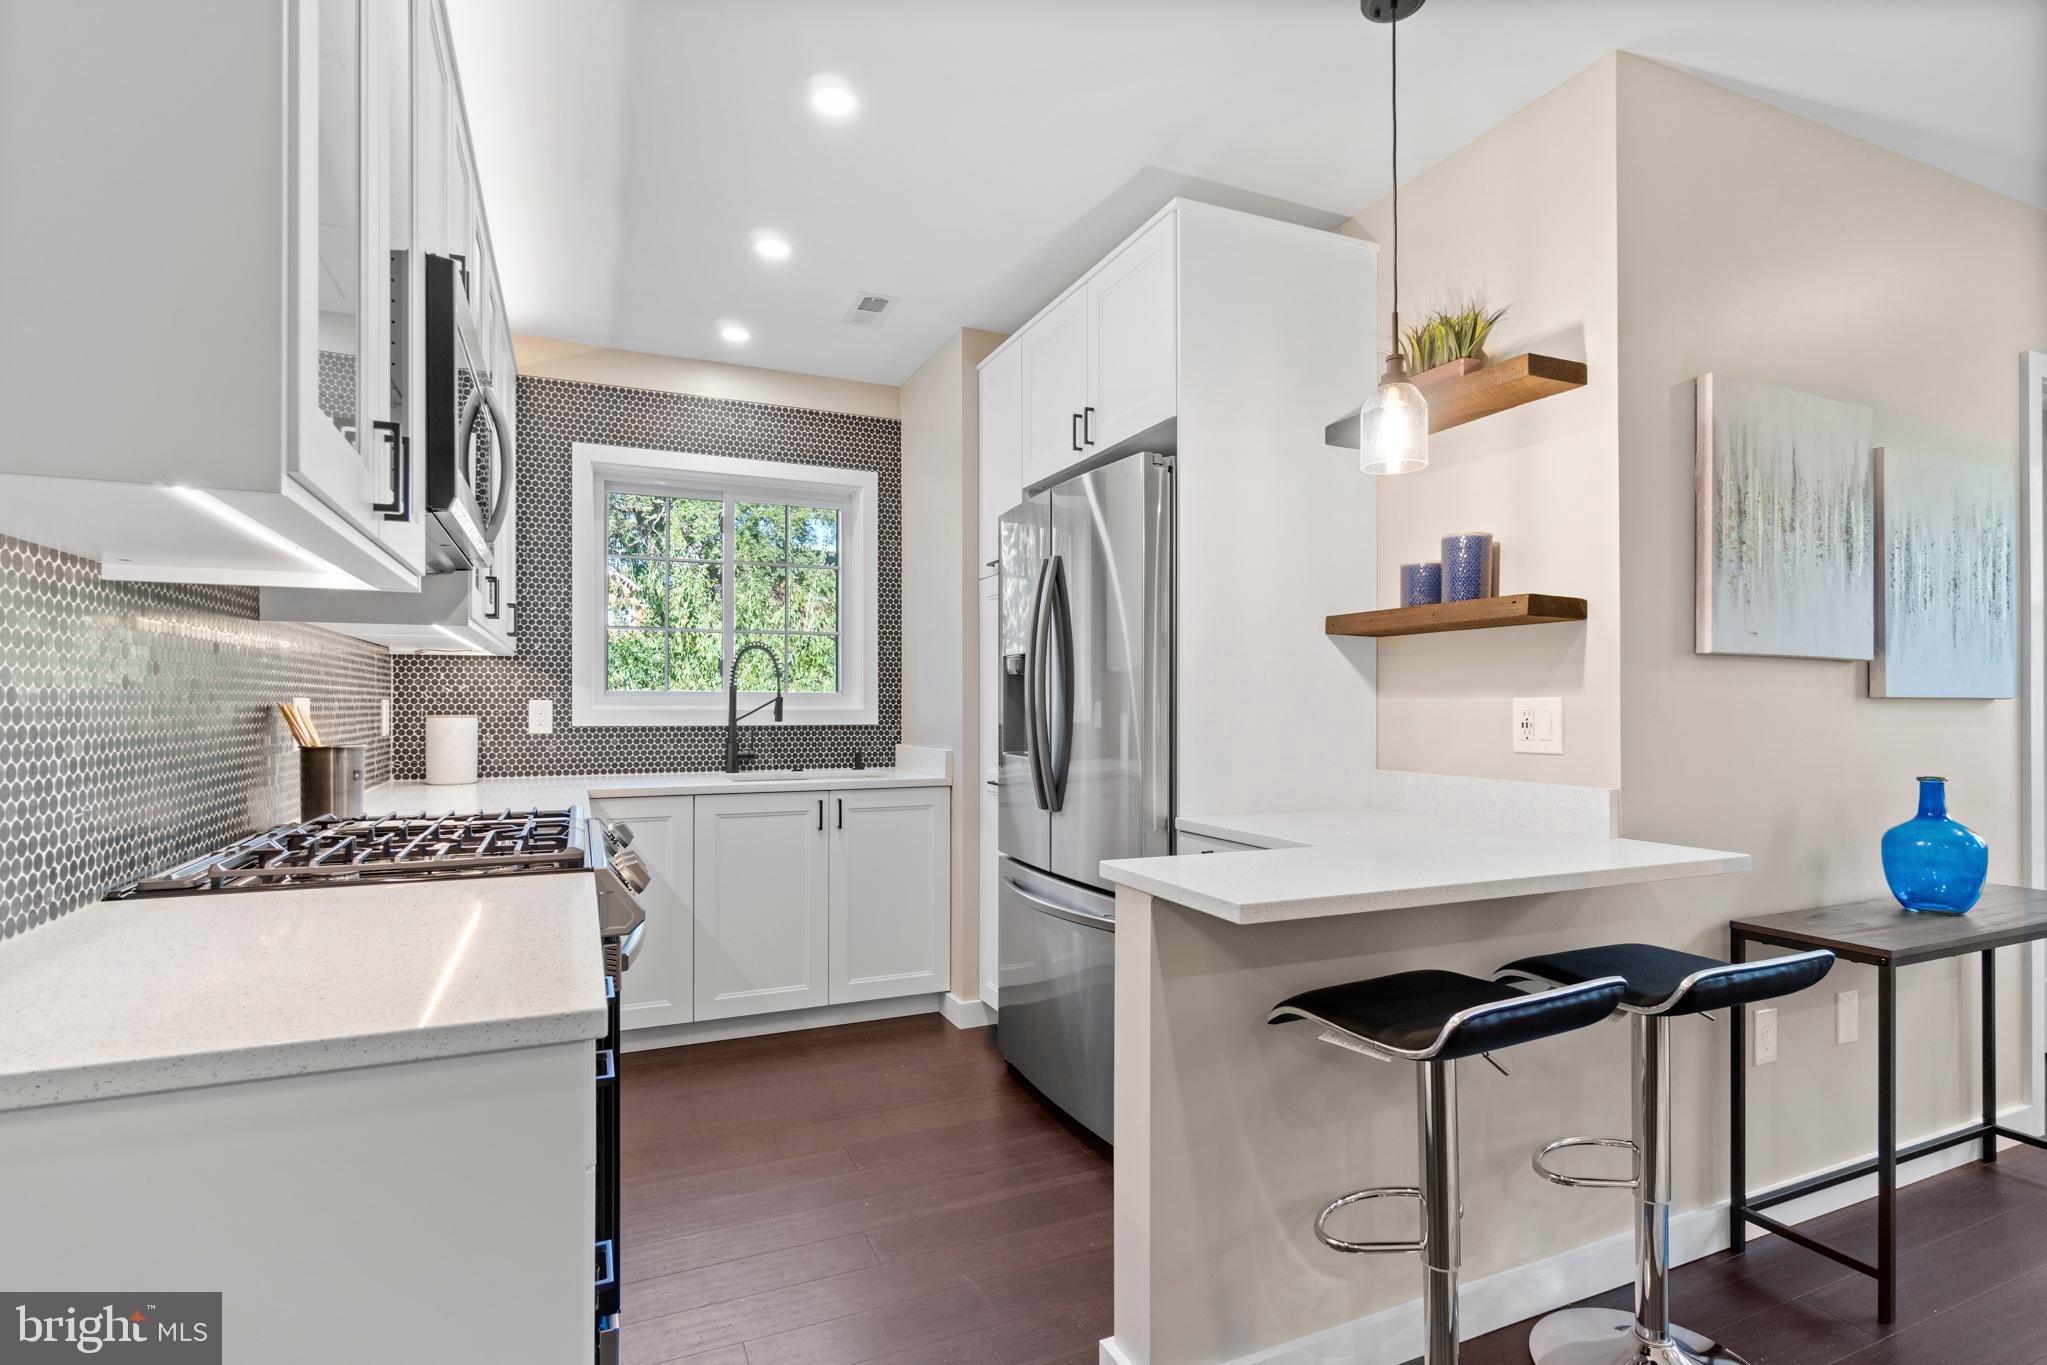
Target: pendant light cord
<point x="1395" y="100"/>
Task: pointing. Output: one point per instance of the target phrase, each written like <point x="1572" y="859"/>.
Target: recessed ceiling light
<point x="770" y="246"/>
<point x="734" y="333"/>
<point x="832" y="97"/>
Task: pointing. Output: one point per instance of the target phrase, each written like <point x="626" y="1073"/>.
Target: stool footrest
<point x="1420" y="1243"/>
<point x="1589" y="1182"/>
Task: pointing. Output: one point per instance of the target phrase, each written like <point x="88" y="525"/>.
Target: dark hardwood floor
<point x="885" y="1192"/>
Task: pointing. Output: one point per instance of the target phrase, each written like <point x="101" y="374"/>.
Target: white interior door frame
<point x="2033" y="715"/>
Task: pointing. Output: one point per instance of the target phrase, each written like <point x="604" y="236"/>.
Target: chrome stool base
<point x="1607" y="1336"/>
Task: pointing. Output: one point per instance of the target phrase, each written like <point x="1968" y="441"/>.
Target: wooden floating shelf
<point x="1457" y="399"/>
<point x="1480" y="613"/>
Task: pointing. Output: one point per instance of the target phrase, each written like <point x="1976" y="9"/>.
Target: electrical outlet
<point x="384" y="717"/>
<point x="1847" y="1017"/>
<point x="304" y="704"/>
<point x="540" y="716"/>
<point x="1538" y="725"/>
<point x="1766" y="1037"/>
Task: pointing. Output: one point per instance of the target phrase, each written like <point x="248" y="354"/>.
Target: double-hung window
<point x="682" y="562"/>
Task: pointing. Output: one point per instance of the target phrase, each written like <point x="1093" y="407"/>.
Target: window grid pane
<point x="690" y="579"/>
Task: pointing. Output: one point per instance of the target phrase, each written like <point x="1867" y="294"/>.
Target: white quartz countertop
<point x="513" y="793"/>
<point x="1318" y="863"/>
<point x="173" y="992"/>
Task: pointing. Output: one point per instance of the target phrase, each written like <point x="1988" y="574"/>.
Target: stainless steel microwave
<point x="470" y="465"/>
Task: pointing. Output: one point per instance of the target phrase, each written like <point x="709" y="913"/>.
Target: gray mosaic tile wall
<point x="553" y="413"/>
<point x="138" y="725"/>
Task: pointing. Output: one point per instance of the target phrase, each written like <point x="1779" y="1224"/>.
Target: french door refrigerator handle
<point x="1061" y="752"/>
<point x="1065" y="912"/>
<point x="1037" y="734"/>
<point x="1159" y="666"/>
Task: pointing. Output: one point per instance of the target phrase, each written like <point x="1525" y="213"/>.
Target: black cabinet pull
<point x="1076" y="431"/>
<point x="1087" y="425"/>
<point x="400" y="506"/>
<point x="842" y="814"/>
<point x="492" y="614"/>
<point x="820" y="812"/>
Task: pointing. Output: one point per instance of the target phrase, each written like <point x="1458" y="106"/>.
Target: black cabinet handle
<point x="512" y="607"/>
<point x="842" y="814"/>
<point x="1087" y="425"/>
<point x="400" y="506"/>
<point x="820" y="812"/>
<point x="492" y="614"/>
<point x="1076" y="431"/>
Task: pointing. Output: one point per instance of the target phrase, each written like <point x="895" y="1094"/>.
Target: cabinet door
<point x="761" y="867"/>
<point x="891" y="900"/>
<point x="1001" y="444"/>
<point x="1132" y="340"/>
<point x="1054" y="361"/>
<point x="658" y="986"/>
<point x="989" y="788"/>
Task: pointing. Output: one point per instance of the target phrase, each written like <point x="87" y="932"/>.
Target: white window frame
<point x="595" y="469"/>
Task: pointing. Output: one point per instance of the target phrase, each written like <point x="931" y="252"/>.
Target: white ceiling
<point x="630" y="148"/>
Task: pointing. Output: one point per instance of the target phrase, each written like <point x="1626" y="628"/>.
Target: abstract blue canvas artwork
<point x="1786" y="523"/>
<point x="1947" y="575"/>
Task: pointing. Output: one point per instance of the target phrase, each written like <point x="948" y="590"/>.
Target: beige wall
<point x="1760" y="244"/>
<point x="1522" y="217"/>
<point x="709" y="378"/>
<point x="941" y="604"/>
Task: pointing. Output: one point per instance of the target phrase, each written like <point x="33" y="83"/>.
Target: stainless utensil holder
<point x="330" y="781"/>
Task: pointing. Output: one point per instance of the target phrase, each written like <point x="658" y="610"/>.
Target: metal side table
<point x="1884" y="936"/>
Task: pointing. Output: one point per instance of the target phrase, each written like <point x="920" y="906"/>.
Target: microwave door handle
<point x="1036" y="733"/>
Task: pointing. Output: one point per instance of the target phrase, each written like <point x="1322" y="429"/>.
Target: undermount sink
<point x="797" y="774"/>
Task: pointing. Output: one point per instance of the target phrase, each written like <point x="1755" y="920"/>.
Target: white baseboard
<point x="1394" y="1335"/>
<point x="965" y="1013"/>
<point x="788" y="1021"/>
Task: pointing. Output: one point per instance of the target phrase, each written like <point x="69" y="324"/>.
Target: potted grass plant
<point x="1449" y="343"/>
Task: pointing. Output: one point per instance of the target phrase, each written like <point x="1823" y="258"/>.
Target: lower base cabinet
<point x="769" y="901"/>
<point x="762" y="892"/>
<point x="660" y="986"/>
<point x="891" y="873"/>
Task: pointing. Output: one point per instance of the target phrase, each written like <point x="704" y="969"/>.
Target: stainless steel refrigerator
<point x="1085" y="660"/>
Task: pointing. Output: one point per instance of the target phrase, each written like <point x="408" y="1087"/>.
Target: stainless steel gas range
<point x="368" y="851"/>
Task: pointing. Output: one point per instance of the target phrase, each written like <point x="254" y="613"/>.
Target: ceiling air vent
<point x="870" y="310"/>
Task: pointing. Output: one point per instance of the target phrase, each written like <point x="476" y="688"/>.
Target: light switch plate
<point x="1538" y="725"/>
<point x="540" y="716"/>
<point x="1766" y="1037"/>
<point x="1847" y="1017"/>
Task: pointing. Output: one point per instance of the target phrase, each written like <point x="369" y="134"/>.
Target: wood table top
<point x="1883" y="933"/>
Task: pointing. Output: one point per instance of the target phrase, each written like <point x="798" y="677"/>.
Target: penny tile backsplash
<point x="138" y="725"/>
<point x="553" y="414"/>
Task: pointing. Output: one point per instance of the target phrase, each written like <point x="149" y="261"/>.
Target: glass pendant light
<point x="1393" y="426"/>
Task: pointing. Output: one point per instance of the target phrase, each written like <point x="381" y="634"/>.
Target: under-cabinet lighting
<point x="257" y="531"/>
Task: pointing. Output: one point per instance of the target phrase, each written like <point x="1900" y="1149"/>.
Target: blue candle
<point x="1420" y="584"/>
<point x="1467" y="567"/>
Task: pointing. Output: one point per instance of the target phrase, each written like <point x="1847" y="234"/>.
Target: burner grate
<point x="333" y="850"/>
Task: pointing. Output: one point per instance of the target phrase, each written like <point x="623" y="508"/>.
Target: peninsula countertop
<point x="161" y="993"/>
<point x="1311" y="864"/>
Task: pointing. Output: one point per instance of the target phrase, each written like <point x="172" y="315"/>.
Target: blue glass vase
<point x="1934" y="863"/>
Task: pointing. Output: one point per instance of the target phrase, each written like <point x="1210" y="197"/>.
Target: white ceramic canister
<point x="450" y="750"/>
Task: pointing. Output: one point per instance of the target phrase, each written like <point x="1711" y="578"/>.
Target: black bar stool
<point x="1661" y="983"/>
<point x="1434" y="1018"/>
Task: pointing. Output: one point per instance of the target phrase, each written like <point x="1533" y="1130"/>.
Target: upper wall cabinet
<point x="204" y="352"/>
<point x="1098" y="367"/>
<point x="1001" y="448"/>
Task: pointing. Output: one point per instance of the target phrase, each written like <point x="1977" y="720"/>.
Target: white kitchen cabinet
<point x="891" y="893"/>
<point x="1053" y="355"/>
<point x="1131" y="340"/>
<point x="213" y="400"/>
<point x="762" y="892"/>
<point x="989" y="897"/>
<point x="662" y="981"/>
<point x="1001" y="447"/>
<point x="1098" y="367"/>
